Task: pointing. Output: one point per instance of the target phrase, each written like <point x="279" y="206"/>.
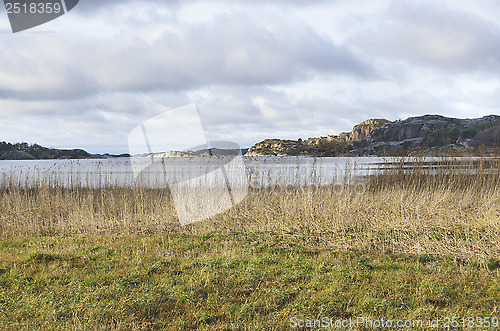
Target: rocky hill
<point x="382" y="137"/>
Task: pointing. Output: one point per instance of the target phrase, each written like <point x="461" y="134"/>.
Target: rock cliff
<point x="380" y="137"/>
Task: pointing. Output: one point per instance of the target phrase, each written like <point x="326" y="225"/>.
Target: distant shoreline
<point x="431" y="135"/>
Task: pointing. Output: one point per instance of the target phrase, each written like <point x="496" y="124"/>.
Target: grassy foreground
<point x="238" y="281"/>
<point x="415" y="243"/>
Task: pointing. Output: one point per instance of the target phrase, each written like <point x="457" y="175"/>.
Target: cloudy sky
<point x="255" y="69"/>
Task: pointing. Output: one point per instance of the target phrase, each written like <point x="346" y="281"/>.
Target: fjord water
<point x="257" y="171"/>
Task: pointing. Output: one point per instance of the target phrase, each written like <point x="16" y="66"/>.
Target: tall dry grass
<point x="444" y="207"/>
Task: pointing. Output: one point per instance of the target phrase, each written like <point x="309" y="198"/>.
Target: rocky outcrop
<point x="322" y="146"/>
<point x="430" y="132"/>
<point x="276" y="147"/>
<point x="381" y="137"/>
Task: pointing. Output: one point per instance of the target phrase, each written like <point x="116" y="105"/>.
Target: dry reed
<point x="444" y="207"/>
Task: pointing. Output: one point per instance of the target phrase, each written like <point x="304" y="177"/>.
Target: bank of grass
<point x="236" y="281"/>
<point x="414" y="242"/>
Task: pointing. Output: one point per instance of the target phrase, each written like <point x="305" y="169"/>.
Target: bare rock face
<point x="364" y="129"/>
<point x="430" y="132"/>
<point x="413" y="127"/>
<point x="379" y="136"/>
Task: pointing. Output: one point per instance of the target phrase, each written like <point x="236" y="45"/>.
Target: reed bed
<point x="444" y="207"/>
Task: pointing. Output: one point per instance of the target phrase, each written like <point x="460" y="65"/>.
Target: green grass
<point x="241" y="280"/>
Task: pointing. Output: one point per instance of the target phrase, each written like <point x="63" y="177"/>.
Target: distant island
<point x="25" y="151"/>
<point x="202" y="153"/>
<point x="376" y="137"/>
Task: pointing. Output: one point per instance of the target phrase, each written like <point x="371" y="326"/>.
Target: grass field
<point x="413" y="243"/>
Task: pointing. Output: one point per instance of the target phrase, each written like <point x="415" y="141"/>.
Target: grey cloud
<point x="91" y="6"/>
<point x="232" y="50"/>
<point x="435" y="35"/>
<point x="41" y="67"/>
<point x="88" y="6"/>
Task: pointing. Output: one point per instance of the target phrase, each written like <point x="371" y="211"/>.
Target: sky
<point x="256" y="69"/>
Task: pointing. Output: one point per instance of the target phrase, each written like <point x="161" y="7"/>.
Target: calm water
<point x="253" y="171"/>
